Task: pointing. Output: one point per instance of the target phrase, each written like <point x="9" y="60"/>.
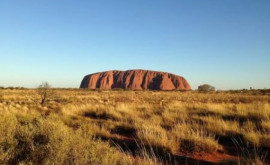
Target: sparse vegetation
<point x="45" y="92"/>
<point x="134" y="127"/>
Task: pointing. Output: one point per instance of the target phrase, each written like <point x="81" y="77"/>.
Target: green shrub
<point x="206" y="88"/>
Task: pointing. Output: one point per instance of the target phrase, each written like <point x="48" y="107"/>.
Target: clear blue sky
<point x="225" y="43"/>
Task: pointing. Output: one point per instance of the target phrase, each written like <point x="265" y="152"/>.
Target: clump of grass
<point x="192" y="138"/>
<point x="1" y="97"/>
<point x="249" y="153"/>
<point x="221" y="127"/>
<point x="157" y="137"/>
<point x="266" y="126"/>
<point x="48" y="141"/>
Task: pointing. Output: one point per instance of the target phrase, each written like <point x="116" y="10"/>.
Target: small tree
<point x="45" y="92"/>
<point x="206" y="88"/>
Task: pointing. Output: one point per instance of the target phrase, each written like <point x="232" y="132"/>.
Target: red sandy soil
<point x="215" y="157"/>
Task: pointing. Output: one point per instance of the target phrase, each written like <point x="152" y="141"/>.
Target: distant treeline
<point x="262" y="91"/>
<point x="1" y="87"/>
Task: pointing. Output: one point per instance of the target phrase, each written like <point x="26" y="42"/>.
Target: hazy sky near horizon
<point x="225" y="43"/>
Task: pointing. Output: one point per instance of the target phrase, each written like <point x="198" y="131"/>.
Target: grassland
<point x="134" y="127"/>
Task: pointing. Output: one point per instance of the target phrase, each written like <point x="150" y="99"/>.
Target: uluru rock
<point x="135" y="80"/>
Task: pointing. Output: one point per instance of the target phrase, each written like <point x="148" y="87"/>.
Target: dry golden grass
<point x="128" y="127"/>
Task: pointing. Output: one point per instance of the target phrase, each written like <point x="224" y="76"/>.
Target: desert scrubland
<point x="80" y="126"/>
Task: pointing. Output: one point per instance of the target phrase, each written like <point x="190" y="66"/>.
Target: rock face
<point x="135" y="80"/>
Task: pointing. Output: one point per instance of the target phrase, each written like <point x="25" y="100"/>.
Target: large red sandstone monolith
<point x="135" y="80"/>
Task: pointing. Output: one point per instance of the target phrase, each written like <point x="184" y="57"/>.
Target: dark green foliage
<point x="206" y="88"/>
